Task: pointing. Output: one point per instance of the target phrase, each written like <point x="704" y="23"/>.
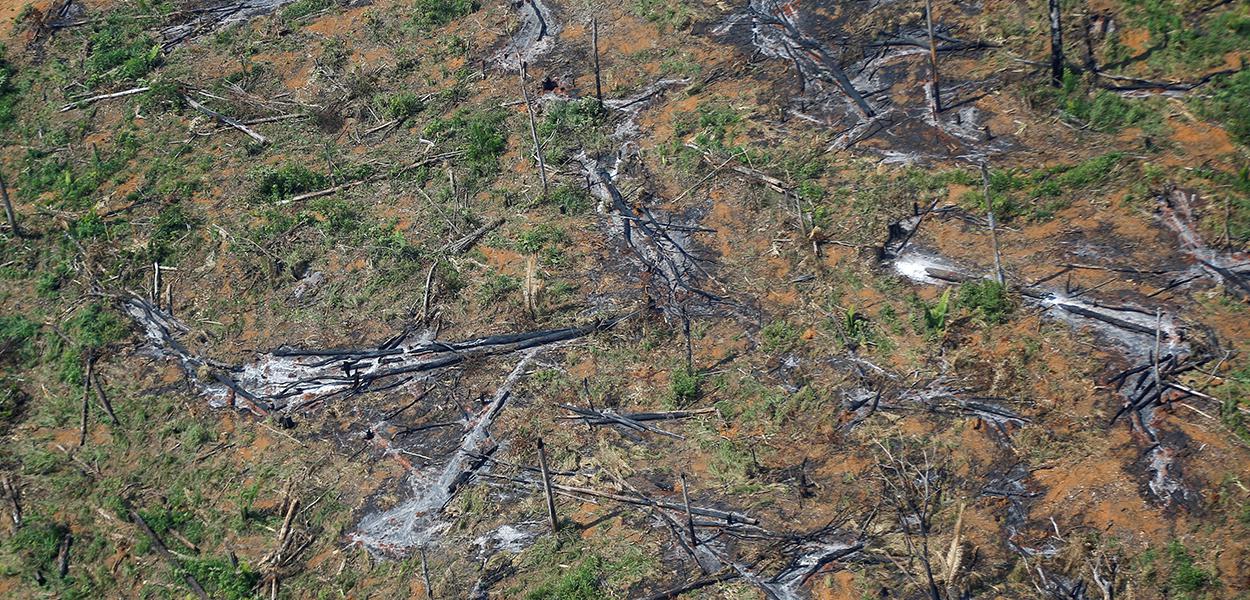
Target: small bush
<point x="684" y="386"/>
<point x="779" y="336"/>
<point x="278" y="184"/>
<point x="404" y="105"/>
<point x="987" y="299"/>
<point x="427" y="14"/>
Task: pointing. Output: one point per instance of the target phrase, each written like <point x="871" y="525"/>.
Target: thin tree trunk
<point x="594" y="46"/>
<point x="1056" y="45"/>
<point x="936" y="99"/>
<point x="8" y="207"/>
<point x="529" y="108"/>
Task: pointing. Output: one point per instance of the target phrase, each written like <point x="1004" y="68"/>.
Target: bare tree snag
<point x="86" y="395"/>
<point x="551" y="500"/>
<point x="538" y="147"/>
<point x="935" y="99"/>
<point x="1056" y="45"/>
<point x="9" y="213"/>
<point x="594" y="48"/>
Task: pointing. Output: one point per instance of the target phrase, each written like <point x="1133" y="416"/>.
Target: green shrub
<point x="303" y="8"/>
<point x="435" y="13"/>
<point x="684" y="386"/>
<point x="572" y="200"/>
<point x="779" y="336"/>
<point x="987" y="299"/>
<point x="404" y="105"/>
<point x="17" y="337"/>
<point x="935" y="315"/>
<point x="292" y="179"/>
<point x="1187" y="577"/>
<point x="121" y="51"/>
<point x="222" y="579"/>
<point x="1230" y="105"/>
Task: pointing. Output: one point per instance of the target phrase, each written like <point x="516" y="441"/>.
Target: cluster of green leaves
<point x="712" y="124"/>
<point x="568" y="126"/>
<point x="986" y="299"/>
<point x="17" y="338"/>
<point x="543" y="240"/>
<point x="403" y="105"/>
<point x="480" y="135"/>
<point x="90" y="330"/>
<point x="779" y="336"/>
<point x="683" y="387"/>
<point x="936" y="315"/>
<point x="221" y="579"/>
<point x="567" y="571"/>
<point x="570" y="199"/>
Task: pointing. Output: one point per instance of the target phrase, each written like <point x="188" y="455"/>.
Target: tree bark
<point x="936" y="100"/>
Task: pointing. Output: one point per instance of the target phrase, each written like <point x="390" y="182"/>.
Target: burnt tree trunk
<point x="1056" y="45"/>
<point x="935" y="105"/>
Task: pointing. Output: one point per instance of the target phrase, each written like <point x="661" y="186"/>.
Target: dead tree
<point x="594" y="47"/>
<point x="1056" y="45"/>
<point x="935" y="101"/>
<point x="8" y="207"/>
<point x="529" y="109"/>
<point x="914" y="490"/>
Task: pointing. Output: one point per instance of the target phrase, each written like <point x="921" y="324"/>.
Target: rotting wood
<point x="606" y="416"/>
<point x="260" y="139"/>
<point x="168" y="557"/>
<point x="86" y="395"/>
<point x="685" y="498"/>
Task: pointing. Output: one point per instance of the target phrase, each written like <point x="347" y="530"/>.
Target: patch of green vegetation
<point x="90" y="330"/>
<point x="121" y="51"/>
<point x="1188" y="42"/>
<point x="480" y="135"/>
<point x="74" y="183"/>
<point x="779" y="336"/>
<point x="568" y="571"/>
<point x="173" y="223"/>
<point x="543" y="240"/>
<point x="498" y="286"/>
<point x="1229" y="104"/>
<point x="427" y="14"/>
<point x="986" y="299"/>
<point x="36" y="544"/>
<point x="683" y="386"/>
<point x="1041" y="193"/>
<point x="17" y="338"/>
<point x="303" y="8"/>
<point x="1186" y="579"/>
<point x="9" y="93"/>
<point x="572" y="200"/>
<point x="221" y="579"/>
<point x="668" y="14"/>
<point x="1236" y="398"/>
<point x="936" y="314"/>
<point x="569" y="126"/>
<point x="292" y="179"/>
<point x="403" y="105"/>
<point x="1099" y="109"/>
